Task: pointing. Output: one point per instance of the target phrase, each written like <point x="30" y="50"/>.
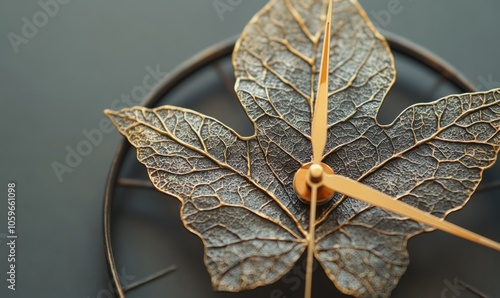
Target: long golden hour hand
<point x="320" y="113"/>
<point x="376" y="198"/>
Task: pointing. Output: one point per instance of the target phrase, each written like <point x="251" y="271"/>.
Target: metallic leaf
<point x="237" y="193"/>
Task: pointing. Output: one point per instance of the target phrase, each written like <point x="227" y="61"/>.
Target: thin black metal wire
<point x="210" y="56"/>
<point x="148" y="279"/>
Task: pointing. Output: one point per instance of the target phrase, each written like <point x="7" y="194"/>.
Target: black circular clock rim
<point x="214" y="53"/>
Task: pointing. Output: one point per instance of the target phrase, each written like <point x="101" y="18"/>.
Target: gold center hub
<point x="303" y="188"/>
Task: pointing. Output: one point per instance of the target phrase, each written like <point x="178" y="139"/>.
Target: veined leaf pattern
<point x="249" y="236"/>
<point x="237" y="192"/>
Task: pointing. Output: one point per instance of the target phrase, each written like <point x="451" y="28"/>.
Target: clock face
<point x="148" y="235"/>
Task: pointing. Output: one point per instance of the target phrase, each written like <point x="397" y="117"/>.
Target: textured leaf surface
<point x="237" y="192"/>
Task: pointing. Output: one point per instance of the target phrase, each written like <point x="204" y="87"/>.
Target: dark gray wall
<point x="56" y="84"/>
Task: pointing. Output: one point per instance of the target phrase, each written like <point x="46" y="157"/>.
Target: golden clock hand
<point x="320" y="119"/>
<point x="376" y="198"/>
<point x="318" y="142"/>
<point x="311" y="237"/>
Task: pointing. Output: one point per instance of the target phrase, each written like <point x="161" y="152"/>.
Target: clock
<point x="200" y="85"/>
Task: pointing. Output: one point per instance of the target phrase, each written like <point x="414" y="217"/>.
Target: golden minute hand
<point x="376" y="198"/>
<point x="320" y="120"/>
<point x="318" y="142"/>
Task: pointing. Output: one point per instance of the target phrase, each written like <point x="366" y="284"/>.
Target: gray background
<point x="89" y="54"/>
